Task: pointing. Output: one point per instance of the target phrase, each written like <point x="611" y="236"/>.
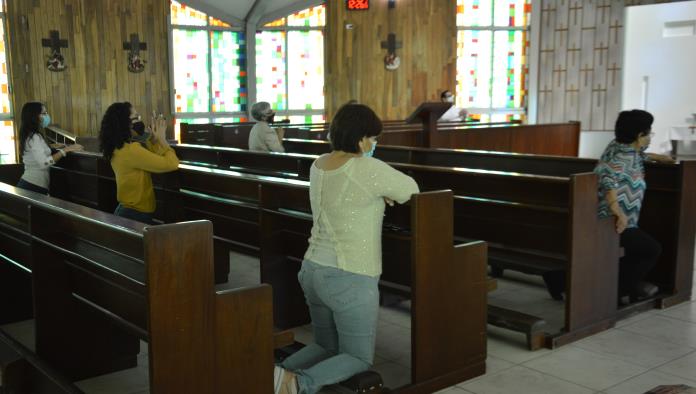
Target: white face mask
<point x="449" y="99"/>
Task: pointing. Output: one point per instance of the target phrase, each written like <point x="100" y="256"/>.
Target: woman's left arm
<point x="660" y="158"/>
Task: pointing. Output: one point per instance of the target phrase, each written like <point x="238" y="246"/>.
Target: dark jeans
<point x="133" y="214"/>
<point x="641" y="252"/>
<point x="31" y="187"/>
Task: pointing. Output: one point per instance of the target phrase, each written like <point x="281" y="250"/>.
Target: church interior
<point x="182" y="208"/>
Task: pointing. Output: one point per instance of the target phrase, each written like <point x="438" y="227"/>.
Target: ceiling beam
<point x="256" y="11"/>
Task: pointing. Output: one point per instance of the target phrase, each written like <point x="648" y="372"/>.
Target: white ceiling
<point x="239" y="9"/>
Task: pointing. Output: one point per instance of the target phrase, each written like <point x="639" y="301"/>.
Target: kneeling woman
<point x="134" y="153"/>
<point x="339" y="276"/>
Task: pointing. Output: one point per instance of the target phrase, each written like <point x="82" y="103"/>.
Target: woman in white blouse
<point x="340" y="273"/>
<point x="36" y="154"/>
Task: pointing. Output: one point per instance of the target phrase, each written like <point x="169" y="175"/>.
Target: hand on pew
<point x="389" y="201"/>
<point x="621" y="223"/>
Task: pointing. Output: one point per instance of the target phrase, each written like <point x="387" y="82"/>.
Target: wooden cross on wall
<point x="56" y="61"/>
<point x="54" y="41"/>
<point x="391" y="61"/>
<point x="135" y="63"/>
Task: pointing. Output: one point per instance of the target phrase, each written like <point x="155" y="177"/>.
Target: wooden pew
<point x="540" y="215"/>
<point x="668" y="212"/>
<point x="231" y="201"/>
<point x="103" y="283"/>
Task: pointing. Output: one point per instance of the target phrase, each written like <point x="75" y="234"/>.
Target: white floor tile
<point x="635" y="318"/>
<point x="521" y="380"/>
<point x="585" y="368"/>
<point x="510" y="346"/>
<point x="665" y="329"/>
<point x="633" y="348"/>
<point x="682" y="312"/>
<point x="684" y="367"/>
<point x="647" y="381"/>
<point x="452" y="390"/>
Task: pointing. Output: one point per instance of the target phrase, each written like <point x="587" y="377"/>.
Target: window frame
<point x="10" y="92"/>
<point x="491" y="110"/>
<point x="208" y="28"/>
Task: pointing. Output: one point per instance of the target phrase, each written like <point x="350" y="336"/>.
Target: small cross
<point x="601" y="48"/>
<point x="586" y="70"/>
<point x="54" y="42"/>
<point x="547" y="10"/>
<point x="613" y="70"/>
<point x="391" y="44"/>
<point x="604" y="7"/>
<point x="575" y="10"/>
<point x="616" y="26"/>
<point x="559" y="71"/>
<point x="563" y="30"/>
<point x="574" y="53"/>
<point x="599" y="91"/>
<point x="134" y="45"/>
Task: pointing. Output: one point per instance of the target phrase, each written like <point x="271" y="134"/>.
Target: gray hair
<point x="261" y="110"/>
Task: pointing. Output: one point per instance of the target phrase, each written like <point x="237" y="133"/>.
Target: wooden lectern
<point x="428" y="113"/>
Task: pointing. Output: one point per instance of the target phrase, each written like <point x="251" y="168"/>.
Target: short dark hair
<point x="351" y="124"/>
<point x="443" y="94"/>
<point x="115" y="128"/>
<point x="632" y="124"/>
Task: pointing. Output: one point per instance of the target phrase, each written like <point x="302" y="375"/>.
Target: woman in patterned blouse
<point x="621" y="173"/>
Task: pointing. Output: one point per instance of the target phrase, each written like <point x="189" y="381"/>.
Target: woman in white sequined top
<point x="340" y="273"/>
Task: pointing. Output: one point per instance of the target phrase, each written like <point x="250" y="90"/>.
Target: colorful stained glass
<point x="181" y="14"/>
<point x="310" y="17"/>
<point x="231" y="119"/>
<point x="497" y="117"/>
<point x="509" y="58"/>
<point x="7" y="143"/>
<point x="276" y="23"/>
<point x="474" y="12"/>
<point x="229" y="79"/>
<point x="270" y="69"/>
<point x="473" y="68"/>
<point x="306" y="69"/>
<point x="217" y="22"/>
<point x="512" y="13"/>
<point x="5" y="107"/>
<point x="306" y="119"/>
<point x="190" y="55"/>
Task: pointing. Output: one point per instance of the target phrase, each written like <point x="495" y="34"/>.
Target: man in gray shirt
<point x="263" y="137"/>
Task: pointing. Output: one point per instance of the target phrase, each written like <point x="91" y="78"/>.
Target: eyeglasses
<point x="136" y="118"/>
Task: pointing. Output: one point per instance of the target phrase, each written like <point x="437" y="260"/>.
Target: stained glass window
<point x="492" y="46"/>
<point x="185" y="15"/>
<point x="311" y="17"/>
<point x="306" y="69"/>
<point x="276" y="23"/>
<point x="270" y="69"/>
<point x="217" y="22"/>
<point x="229" y="85"/>
<point x="7" y="134"/>
<point x="210" y="75"/>
<point x="190" y="82"/>
<point x="304" y="119"/>
<point x="290" y="64"/>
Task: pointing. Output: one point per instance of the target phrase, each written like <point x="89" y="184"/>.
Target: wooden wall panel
<point x="97" y="73"/>
<point x="355" y="60"/>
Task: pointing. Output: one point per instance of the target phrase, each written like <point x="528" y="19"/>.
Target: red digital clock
<point x="357" y="4"/>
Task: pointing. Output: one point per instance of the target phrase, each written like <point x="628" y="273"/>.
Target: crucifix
<point x="55" y="61"/>
<point x="391" y="61"/>
<point x="135" y="63"/>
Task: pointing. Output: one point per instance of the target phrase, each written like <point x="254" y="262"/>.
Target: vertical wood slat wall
<point x="354" y="58"/>
<point x="97" y="65"/>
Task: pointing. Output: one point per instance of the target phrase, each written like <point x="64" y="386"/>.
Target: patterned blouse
<point x="621" y="167"/>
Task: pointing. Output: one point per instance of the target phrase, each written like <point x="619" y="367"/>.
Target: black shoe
<point x="555" y="284"/>
<point x="643" y="290"/>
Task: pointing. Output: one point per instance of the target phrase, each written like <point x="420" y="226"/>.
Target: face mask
<point x="45" y="120"/>
<point x="139" y="127"/>
<point x="449" y="99"/>
<point x="372" y="151"/>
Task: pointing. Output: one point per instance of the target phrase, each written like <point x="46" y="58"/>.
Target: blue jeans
<point x="22" y="184"/>
<point x="343" y="307"/>
<point x="132" y="214"/>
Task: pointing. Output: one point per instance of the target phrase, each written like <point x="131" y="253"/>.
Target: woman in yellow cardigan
<point x="135" y="152"/>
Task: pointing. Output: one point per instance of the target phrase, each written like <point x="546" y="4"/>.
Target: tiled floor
<point x="650" y="349"/>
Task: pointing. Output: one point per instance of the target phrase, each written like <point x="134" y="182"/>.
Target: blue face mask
<point x="45" y="120"/>
<point x="372" y="151"/>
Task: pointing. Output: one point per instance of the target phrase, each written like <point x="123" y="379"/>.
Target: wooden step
<point x="531" y="326"/>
